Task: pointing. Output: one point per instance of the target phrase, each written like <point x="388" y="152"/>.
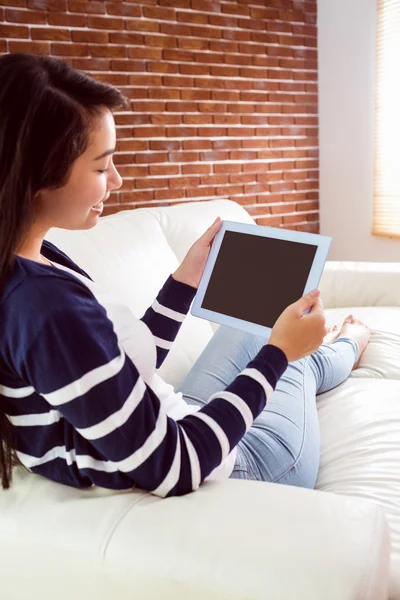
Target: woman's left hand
<point x="192" y="267"/>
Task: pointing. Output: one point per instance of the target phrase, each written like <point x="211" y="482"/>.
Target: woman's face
<point x="79" y="203"/>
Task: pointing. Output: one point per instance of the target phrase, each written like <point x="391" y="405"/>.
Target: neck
<point x="31" y="246"/>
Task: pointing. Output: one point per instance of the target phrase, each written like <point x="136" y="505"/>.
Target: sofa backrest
<point x="133" y="252"/>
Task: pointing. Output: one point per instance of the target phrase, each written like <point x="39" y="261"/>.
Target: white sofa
<point x="233" y="540"/>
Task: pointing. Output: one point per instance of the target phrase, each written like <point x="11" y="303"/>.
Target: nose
<point x="114" y="179"/>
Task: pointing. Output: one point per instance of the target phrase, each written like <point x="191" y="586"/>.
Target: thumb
<point x="307" y="301"/>
<point x="210" y="233"/>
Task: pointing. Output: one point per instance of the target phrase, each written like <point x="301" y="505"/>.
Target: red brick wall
<point x="223" y="95"/>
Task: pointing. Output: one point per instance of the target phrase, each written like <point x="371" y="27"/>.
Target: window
<point x="386" y="218"/>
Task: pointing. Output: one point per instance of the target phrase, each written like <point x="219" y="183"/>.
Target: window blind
<point x="386" y="215"/>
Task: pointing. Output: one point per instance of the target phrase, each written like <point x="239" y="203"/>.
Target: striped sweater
<point x="79" y="383"/>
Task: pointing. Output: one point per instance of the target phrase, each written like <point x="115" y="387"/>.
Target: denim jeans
<point x="283" y="444"/>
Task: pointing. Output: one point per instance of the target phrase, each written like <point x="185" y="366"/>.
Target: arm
<point x="74" y="361"/>
<point x="167" y="313"/>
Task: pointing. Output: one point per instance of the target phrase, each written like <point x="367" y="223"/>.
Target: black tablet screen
<point x="255" y="278"/>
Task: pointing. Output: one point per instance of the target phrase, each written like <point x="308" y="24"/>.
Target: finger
<point x="317" y="307"/>
<point x="210" y="233"/>
<point x="307" y="301"/>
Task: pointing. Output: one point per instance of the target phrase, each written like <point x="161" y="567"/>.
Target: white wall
<point x="346" y="46"/>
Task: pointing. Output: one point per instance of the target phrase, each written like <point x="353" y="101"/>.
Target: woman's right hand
<point x="299" y="335"/>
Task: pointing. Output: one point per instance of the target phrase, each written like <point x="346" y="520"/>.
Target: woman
<point x="80" y="400"/>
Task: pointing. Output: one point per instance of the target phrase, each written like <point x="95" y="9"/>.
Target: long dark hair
<point x="46" y="113"/>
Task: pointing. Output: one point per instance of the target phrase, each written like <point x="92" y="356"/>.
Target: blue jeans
<point x="283" y="443"/>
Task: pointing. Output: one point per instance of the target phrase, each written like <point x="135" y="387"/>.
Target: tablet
<point x="253" y="273"/>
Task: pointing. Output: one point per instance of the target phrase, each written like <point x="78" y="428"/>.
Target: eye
<point x="103" y="170"/>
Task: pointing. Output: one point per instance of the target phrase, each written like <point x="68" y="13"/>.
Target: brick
<point x="70" y="49"/>
<point x="114" y="79"/>
<point x="174" y="194"/>
<point x="92" y="64"/>
<point x="210" y="132"/>
<point x="140" y="25"/>
<point x="184" y="17"/>
<point x="209" y="82"/>
<point x="13" y="31"/>
<point x="194" y="69"/>
<point x="236" y="34"/>
<point x="147" y="80"/>
<point x="184" y="182"/>
<point x="92" y="37"/>
<point x="242" y="155"/>
<point x="225" y="71"/>
<point x="176" y="30"/>
<point x="212" y="107"/>
<point x="136" y="197"/>
<point x="151" y="157"/>
<point x="165" y="119"/>
<point x="201" y="192"/>
<point x="215" y="180"/>
<point x="33" y="47"/>
<point x="165" y="145"/>
<point x="232" y="8"/>
<point x="199" y="169"/>
<point x="214" y="156"/>
<point x="206" y="32"/>
<point x="165" y="94"/>
<point x="127" y="38"/>
<point x="17" y="3"/>
<point x="181" y="131"/>
<point x="222" y="21"/>
<point x="135" y="146"/>
<point x="148" y="183"/>
<point x="33" y="17"/>
<point x="53" y="5"/>
<point x="124" y="9"/>
<point x="209" y="58"/>
<point x="226" y="144"/>
<point x="270" y="221"/>
<point x="159" y="14"/>
<point x="226" y="119"/>
<point x="87" y="6"/>
<point x="175" y="3"/>
<point x="160" y="41"/>
<point x="164" y="170"/>
<point x="178" y="55"/>
<point x="238" y="60"/>
<point x="178" y="81"/>
<point x="149" y="132"/>
<point x="133" y="171"/>
<point x="227" y="168"/>
<point x="108" y="23"/>
<point x="184" y="157"/>
<point x="65" y="20"/>
<point x="162" y="67"/>
<point x="49" y="33"/>
<point x="223" y="46"/>
<point x="197" y="144"/>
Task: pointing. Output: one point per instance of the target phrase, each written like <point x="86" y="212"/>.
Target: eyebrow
<point x="106" y="153"/>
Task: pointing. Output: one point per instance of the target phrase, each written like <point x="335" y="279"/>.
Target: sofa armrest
<point x="360" y="284"/>
<point x="234" y="540"/>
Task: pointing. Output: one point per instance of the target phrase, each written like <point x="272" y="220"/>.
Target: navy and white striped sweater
<point x="78" y="382"/>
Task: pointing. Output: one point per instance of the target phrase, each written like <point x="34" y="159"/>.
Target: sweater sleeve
<point x="73" y="360"/>
<point x="167" y="313"/>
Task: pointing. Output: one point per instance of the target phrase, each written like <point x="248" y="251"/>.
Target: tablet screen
<point x="255" y="278"/>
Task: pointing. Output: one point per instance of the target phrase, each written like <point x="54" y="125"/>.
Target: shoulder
<point x="37" y="297"/>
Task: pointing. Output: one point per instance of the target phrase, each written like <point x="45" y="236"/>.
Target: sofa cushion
<point x="360" y="437"/>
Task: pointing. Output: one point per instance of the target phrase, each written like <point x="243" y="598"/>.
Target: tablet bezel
<point x="322" y="243"/>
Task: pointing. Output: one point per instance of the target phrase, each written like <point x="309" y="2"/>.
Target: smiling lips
<point x="98" y="208"/>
